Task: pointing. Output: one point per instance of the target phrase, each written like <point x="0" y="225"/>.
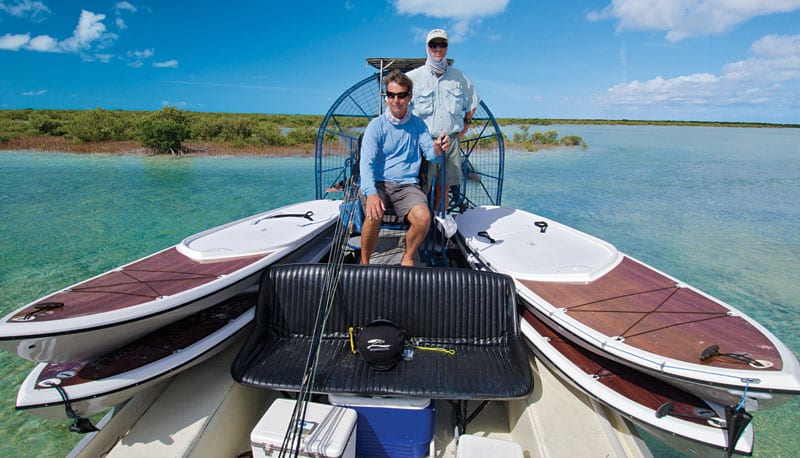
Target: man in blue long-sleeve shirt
<point x="391" y="154"/>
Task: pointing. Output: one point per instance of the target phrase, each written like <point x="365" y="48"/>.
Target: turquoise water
<point x="715" y="207"/>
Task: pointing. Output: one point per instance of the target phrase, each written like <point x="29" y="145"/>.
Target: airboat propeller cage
<point x="482" y="147"/>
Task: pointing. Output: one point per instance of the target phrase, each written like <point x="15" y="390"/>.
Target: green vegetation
<point x="634" y="122"/>
<point x="164" y="130"/>
<point x="161" y="131"/>
<point x="538" y="140"/>
<point x="167" y="129"/>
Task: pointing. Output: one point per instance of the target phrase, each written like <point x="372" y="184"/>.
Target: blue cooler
<point x="390" y="427"/>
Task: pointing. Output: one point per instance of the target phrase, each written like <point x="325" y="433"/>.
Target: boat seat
<point x="473" y="313"/>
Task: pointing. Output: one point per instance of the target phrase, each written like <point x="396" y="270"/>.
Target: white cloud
<point x="104" y="58"/>
<point x="688" y="18"/>
<point x="142" y="54"/>
<point x="776" y="45"/>
<point x="124" y="6"/>
<point x="90" y="34"/>
<point x="44" y="43"/>
<point x="33" y="10"/>
<point x="90" y="30"/>
<point x="119" y="8"/>
<point x="166" y="64"/>
<point x="770" y="76"/>
<point x="167" y="103"/>
<point x="14" y="42"/>
<point x="465" y="9"/>
<point x="35" y="93"/>
<point x="776" y="59"/>
<point x="139" y="56"/>
<point x="463" y="13"/>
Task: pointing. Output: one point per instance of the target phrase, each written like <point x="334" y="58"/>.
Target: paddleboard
<point x="629" y="312"/>
<point x="97" y="384"/>
<point x="683" y="421"/>
<point x="103" y="313"/>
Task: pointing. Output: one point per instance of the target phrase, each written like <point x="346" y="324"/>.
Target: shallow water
<point x="715" y="207"/>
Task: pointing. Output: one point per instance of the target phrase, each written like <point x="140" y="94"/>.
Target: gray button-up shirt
<point x="442" y="102"/>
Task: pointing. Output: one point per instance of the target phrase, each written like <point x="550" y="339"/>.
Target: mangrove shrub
<point x="164" y="130"/>
<point x="96" y="125"/>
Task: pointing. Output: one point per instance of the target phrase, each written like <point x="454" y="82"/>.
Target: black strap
<point x="307" y="215"/>
<point x="43" y="307"/>
<point x="486" y="235"/>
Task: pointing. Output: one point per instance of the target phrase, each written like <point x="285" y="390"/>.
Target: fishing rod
<point x="332" y="274"/>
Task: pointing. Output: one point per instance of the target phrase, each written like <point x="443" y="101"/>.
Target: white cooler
<point x="479" y="447"/>
<point x="328" y="431"/>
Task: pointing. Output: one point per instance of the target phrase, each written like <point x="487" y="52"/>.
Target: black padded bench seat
<point x="471" y="312"/>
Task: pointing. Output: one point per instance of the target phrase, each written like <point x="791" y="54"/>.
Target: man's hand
<point x="375" y="207"/>
<point x="441" y="144"/>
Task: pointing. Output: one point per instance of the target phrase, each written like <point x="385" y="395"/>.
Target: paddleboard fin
<point x="737" y="419"/>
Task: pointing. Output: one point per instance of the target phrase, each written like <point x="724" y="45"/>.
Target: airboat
<point x="481" y="370"/>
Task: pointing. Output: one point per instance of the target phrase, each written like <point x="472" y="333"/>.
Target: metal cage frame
<point x="336" y="148"/>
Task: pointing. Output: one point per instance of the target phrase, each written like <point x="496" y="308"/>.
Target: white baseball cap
<point x="436" y="33"/>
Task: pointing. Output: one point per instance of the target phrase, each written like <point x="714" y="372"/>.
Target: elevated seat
<point x="471" y="312"/>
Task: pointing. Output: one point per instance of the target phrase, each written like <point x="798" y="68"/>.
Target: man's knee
<point x="419" y="215"/>
<point x="371" y="226"/>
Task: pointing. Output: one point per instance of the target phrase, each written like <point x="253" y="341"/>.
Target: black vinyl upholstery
<point x="471" y="312"/>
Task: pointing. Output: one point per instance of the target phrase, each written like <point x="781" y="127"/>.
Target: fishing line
<point x="332" y="274"/>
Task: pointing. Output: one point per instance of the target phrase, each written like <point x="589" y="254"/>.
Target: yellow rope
<point x="447" y="351"/>
<point x="352" y="341"/>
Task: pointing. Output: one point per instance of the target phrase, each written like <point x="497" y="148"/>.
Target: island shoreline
<point x="62" y="145"/>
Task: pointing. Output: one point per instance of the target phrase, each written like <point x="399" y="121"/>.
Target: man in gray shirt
<point x="446" y="100"/>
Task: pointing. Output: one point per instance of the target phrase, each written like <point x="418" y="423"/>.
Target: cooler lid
<point x="384" y="402"/>
<point x="326" y="430"/>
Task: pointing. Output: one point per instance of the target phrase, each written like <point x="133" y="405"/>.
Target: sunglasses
<point x="437" y="44"/>
<point x="399" y="95"/>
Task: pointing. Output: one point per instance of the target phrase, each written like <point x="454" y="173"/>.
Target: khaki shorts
<point x="399" y="197"/>
<point x="452" y="166"/>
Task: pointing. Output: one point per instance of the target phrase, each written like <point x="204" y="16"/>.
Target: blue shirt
<point x="391" y="152"/>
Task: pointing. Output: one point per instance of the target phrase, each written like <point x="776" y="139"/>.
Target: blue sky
<point x="710" y="60"/>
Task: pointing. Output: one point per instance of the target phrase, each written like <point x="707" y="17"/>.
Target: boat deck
<point x="214" y="418"/>
<point x="390" y="248"/>
<point x="177" y="420"/>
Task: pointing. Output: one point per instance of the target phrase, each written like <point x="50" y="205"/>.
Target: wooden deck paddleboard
<point x="629" y="312"/>
<point x="685" y="422"/>
<point x="105" y="312"/>
<point x="97" y="384"/>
